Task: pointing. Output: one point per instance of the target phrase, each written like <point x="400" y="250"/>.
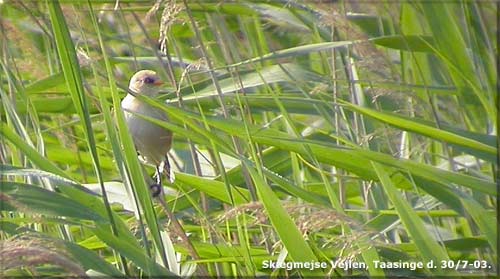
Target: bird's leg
<point x="156" y="188"/>
<point x="158" y="175"/>
<point x="167" y="170"/>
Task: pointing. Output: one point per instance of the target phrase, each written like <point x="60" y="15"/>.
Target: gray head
<point x="145" y="82"/>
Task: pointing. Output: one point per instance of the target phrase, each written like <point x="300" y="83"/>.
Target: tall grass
<point x="305" y="132"/>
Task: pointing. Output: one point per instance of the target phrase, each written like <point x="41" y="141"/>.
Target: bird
<point x="152" y="141"/>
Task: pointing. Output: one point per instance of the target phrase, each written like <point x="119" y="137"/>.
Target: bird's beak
<point x="158" y="83"/>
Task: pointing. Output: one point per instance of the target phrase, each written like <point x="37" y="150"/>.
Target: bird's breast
<point x="151" y="140"/>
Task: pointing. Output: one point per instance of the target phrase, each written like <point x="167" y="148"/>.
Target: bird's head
<point x="145" y="82"/>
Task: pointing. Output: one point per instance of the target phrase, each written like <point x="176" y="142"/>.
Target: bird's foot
<point x="156" y="189"/>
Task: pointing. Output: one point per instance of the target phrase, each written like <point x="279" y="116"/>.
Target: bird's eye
<point x="149" y="80"/>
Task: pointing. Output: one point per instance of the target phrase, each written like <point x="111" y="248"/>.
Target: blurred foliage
<point x="305" y="131"/>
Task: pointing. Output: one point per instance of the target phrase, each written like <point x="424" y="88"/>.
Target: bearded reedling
<point x="151" y="141"/>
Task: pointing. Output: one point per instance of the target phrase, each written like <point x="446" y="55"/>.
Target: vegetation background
<point x="305" y="131"/>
